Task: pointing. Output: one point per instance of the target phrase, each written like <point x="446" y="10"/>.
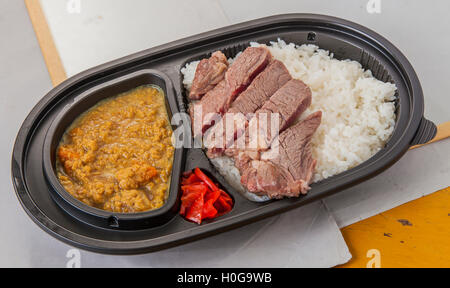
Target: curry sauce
<point x="118" y="155"/>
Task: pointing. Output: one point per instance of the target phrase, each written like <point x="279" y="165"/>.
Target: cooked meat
<point x="221" y="136"/>
<point x="208" y="74"/>
<point x="245" y="68"/>
<point x="259" y="91"/>
<point x="286" y="169"/>
<point x="208" y="111"/>
<point x="240" y="74"/>
<point x="289" y="102"/>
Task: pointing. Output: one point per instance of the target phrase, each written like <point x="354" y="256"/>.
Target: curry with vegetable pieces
<point x="118" y="155"/>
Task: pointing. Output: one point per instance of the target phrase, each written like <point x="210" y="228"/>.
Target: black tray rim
<point x="136" y="247"/>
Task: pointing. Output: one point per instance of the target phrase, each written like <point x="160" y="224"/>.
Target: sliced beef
<point x="289" y="102"/>
<point x="206" y="112"/>
<point x="223" y="134"/>
<point x="259" y="91"/>
<point x="286" y="105"/>
<point x="240" y="74"/>
<point x="286" y="170"/>
<point x="245" y="68"/>
<point x="208" y="74"/>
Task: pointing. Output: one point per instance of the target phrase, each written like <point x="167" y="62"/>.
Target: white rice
<point x="358" y="112"/>
<point x="188" y="72"/>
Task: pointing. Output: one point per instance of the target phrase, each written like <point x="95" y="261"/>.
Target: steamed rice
<point x="358" y="110"/>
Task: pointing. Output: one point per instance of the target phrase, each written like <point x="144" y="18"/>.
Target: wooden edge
<point x="51" y="56"/>
<point x="443" y="132"/>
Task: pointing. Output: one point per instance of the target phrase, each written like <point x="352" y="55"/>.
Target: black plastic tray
<point x="345" y="39"/>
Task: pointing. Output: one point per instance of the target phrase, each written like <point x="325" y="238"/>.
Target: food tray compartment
<point x="80" y="104"/>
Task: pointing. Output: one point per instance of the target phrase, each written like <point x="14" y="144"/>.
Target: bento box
<point x="64" y="217"/>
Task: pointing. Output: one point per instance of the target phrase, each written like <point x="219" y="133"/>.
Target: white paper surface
<point x="105" y="30"/>
<point x="420" y="172"/>
<point x="305" y="237"/>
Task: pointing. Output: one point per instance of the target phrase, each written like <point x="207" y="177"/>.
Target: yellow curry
<point x="118" y="155"/>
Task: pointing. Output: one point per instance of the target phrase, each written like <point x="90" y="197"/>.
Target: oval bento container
<point x="55" y="211"/>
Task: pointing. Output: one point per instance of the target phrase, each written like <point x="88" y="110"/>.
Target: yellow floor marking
<point x="415" y="234"/>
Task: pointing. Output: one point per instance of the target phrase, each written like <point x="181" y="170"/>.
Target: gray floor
<point x="24" y="78"/>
